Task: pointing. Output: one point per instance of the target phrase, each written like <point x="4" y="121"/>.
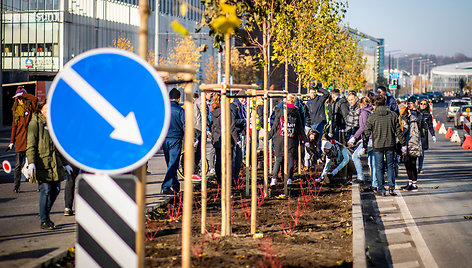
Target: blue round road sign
<point x="109" y="111"/>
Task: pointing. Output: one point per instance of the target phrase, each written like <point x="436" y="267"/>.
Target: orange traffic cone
<point x="438" y="126"/>
<point x="449" y="133"/>
<point x="467" y="143"/>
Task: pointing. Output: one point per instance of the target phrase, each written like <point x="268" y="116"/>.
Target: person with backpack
<point x="295" y="131"/>
<point x="315" y="117"/>
<point x="340" y="111"/>
<point x="412" y="127"/>
<point x="23" y="108"/>
<point x="427" y="126"/>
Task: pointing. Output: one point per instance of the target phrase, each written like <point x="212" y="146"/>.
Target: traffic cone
<point x="467" y="143"/>
<point x="449" y="133"/>
<point x="442" y="130"/>
<point x="434" y="123"/>
<point x="455" y="137"/>
<point x="438" y="126"/>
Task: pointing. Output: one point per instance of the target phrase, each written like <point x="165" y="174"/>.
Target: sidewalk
<point x="22" y="242"/>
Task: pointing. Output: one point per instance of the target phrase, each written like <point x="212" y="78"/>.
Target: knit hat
<point x="326" y="145"/>
<point x="174" y="94"/>
<point x="19" y="91"/>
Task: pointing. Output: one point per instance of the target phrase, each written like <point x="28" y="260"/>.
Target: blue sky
<point x="440" y="27"/>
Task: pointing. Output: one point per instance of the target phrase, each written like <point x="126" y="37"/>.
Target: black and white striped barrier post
<point x="107" y="221"/>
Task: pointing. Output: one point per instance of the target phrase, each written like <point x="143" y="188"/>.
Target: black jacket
<point x="239" y="118"/>
<point x="340" y="111"/>
<point x="279" y="139"/>
<point x="427" y="125"/>
<point x="384" y="126"/>
<point x="315" y="108"/>
<point x="216" y="128"/>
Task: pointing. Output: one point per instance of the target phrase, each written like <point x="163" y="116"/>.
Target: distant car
<point x="438" y="97"/>
<point x="404" y="97"/>
<point x="453" y="107"/>
<point x="459" y="116"/>
<point x="469" y="99"/>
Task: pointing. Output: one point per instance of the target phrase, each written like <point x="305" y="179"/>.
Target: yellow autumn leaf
<point x="179" y="28"/>
<point x="183" y="9"/>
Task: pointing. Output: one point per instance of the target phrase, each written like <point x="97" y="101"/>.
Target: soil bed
<point x="311" y="227"/>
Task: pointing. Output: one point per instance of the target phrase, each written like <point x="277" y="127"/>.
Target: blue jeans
<point x="420" y="161"/>
<point x="48" y="192"/>
<point x="371" y="160"/>
<point x="172" y="149"/>
<point x="237" y="162"/>
<point x="356" y="158"/>
<point x="379" y="162"/>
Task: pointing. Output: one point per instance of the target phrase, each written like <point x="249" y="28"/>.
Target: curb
<point x="358" y="237"/>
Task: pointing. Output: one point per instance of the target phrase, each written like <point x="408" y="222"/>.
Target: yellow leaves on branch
<point x="243" y="67"/>
<point x="185" y="52"/>
<point x="227" y="21"/>
<point x="123" y="43"/>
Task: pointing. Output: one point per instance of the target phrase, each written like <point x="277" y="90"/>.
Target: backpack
<point x="291" y="123"/>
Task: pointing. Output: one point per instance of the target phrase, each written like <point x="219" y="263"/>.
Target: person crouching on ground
<point x="338" y="155"/>
<point x="47" y="163"/>
<point x="295" y="131"/>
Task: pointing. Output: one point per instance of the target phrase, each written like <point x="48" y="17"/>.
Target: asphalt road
<point x="443" y="199"/>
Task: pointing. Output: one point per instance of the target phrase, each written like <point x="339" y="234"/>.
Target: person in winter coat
<point x="47" y="166"/>
<point x="427" y="125"/>
<point x="172" y="145"/>
<point x="216" y="133"/>
<point x="295" y="131"/>
<point x="23" y="108"/>
<point x="411" y="121"/>
<point x="352" y="119"/>
<point x="340" y="111"/>
<point x="315" y="116"/>
<point x="338" y="155"/>
<point x="238" y="112"/>
<point x="384" y="126"/>
<point x="366" y="110"/>
<point x="391" y="102"/>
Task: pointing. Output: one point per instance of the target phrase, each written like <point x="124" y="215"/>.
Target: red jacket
<point x="19" y="130"/>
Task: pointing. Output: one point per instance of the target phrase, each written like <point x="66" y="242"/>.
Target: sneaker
<point x="16" y="189"/>
<point x="414" y="188"/>
<point x="47" y="225"/>
<point x="211" y="173"/>
<point x="392" y="192"/>
<point x="273" y="181"/>
<point x="421" y="172"/>
<point x="407" y="188"/>
<point x="167" y="192"/>
<point x="68" y="212"/>
<point x="404" y="187"/>
<point x="380" y="193"/>
<point x="289" y="181"/>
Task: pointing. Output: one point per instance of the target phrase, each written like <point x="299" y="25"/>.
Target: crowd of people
<point x="333" y="130"/>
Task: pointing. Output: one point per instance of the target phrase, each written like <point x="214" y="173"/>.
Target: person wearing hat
<point x="172" y="145"/>
<point x="24" y="106"/>
<point x="337" y="154"/>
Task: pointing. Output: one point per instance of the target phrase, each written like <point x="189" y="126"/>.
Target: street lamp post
<point x="420" y="88"/>
<point x="412" y="72"/>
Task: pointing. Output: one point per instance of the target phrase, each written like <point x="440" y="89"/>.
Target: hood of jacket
<point x="381" y="110"/>
<point x="216" y="113"/>
<point x="368" y="109"/>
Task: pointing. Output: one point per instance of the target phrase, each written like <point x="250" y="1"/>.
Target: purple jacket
<point x="364" y="114"/>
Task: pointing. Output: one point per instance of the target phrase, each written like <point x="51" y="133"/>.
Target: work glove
<point x="404" y="149"/>
<point x="351" y="141"/>
<point x="434" y="139"/>
<point x="330" y="135"/>
<point x="361" y="151"/>
<point x="31" y="170"/>
<point x="68" y="168"/>
<point x="307" y="144"/>
<point x="10" y="146"/>
<point x="335" y="171"/>
<point x="239" y="143"/>
<point x="195" y="143"/>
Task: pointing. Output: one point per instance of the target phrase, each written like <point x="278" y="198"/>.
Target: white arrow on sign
<point x="126" y="128"/>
